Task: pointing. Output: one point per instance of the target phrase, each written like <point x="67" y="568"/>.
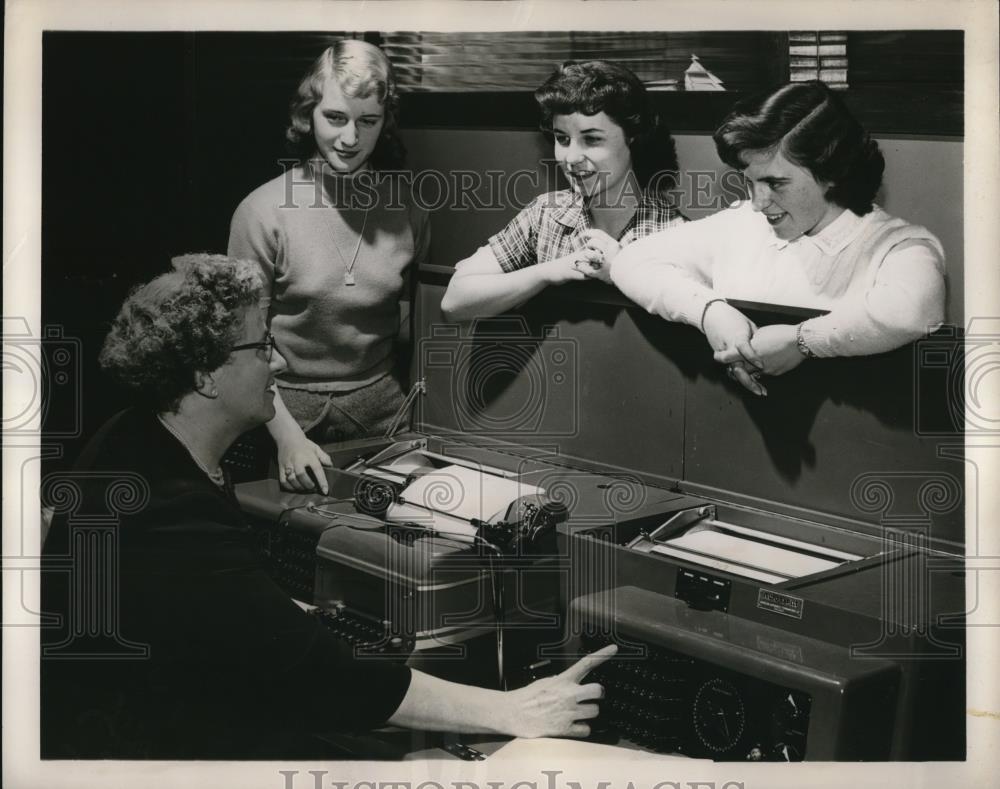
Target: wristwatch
<point x="801" y="343"/>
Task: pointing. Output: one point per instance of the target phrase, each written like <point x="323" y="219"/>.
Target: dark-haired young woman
<point x="337" y="246"/>
<point x="617" y="159"/>
<point x="810" y="235"/>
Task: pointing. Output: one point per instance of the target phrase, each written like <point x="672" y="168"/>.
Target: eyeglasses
<point x="267" y="346"/>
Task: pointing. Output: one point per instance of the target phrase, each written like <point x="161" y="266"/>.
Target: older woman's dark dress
<point x="235" y="670"/>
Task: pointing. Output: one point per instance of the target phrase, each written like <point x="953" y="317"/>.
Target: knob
<point x="787" y="753"/>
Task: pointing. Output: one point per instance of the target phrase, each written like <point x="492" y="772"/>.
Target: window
<point x="818" y="55"/>
<point x="521" y="61"/>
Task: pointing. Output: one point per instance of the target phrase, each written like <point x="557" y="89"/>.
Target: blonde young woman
<point x="338" y="247"/>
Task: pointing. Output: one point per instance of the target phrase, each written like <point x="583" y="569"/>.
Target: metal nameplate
<point x="780" y="603"/>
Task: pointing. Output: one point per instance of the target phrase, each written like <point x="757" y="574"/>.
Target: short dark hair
<point x="600" y="86"/>
<point x="362" y="70"/>
<point x="180" y="324"/>
<point x="813" y="128"/>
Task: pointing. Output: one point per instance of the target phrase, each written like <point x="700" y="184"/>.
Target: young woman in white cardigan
<point x="808" y="236"/>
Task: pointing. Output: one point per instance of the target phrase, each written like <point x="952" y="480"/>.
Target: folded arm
<point x="669" y="273"/>
<point x="481" y="288"/>
<point x="905" y="302"/>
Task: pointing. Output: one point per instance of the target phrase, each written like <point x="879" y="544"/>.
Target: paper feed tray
<point x="697" y="536"/>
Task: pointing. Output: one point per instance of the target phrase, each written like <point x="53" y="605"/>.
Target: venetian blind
<point x="514" y="61"/>
<point x="818" y="55"/>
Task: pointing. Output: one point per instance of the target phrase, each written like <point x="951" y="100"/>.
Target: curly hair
<point x="362" y="70"/>
<point x="599" y="86"/>
<point x="181" y="323"/>
<point x="813" y="128"/>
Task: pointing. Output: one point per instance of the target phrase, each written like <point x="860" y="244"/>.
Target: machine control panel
<point x="671" y="703"/>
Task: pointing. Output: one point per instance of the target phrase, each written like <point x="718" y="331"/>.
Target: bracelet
<point x="800" y="342"/>
<point x="704" y="312"/>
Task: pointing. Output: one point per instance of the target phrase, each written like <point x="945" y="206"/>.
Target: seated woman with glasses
<point x="235" y="669"/>
<point x="809" y="236"/>
<point x="618" y="160"/>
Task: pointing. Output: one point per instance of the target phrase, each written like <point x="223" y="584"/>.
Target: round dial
<point x="789" y="726"/>
<point x="790" y="715"/>
<point x="719" y="714"/>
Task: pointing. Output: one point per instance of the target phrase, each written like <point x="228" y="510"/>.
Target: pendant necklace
<point x="218" y="476"/>
<point x="349" y="269"/>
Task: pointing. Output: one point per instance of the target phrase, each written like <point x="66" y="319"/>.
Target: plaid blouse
<point x="550" y="227"/>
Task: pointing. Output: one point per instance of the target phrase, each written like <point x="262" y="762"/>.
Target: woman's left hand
<point x="301" y="465"/>
<point x="605" y="248"/>
<point x="772" y="350"/>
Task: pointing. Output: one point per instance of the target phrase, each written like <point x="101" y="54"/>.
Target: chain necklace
<point x="218" y="476"/>
<point x="349" y="269"/>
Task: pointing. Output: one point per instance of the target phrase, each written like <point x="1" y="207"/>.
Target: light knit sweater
<point x="880" y="278"/>
<point x="303" y="229"/>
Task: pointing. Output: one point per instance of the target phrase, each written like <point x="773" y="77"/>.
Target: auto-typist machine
<point x="783" y="575"/>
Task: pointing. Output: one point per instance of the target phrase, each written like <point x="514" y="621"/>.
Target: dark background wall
<point x="151" y="139"/>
